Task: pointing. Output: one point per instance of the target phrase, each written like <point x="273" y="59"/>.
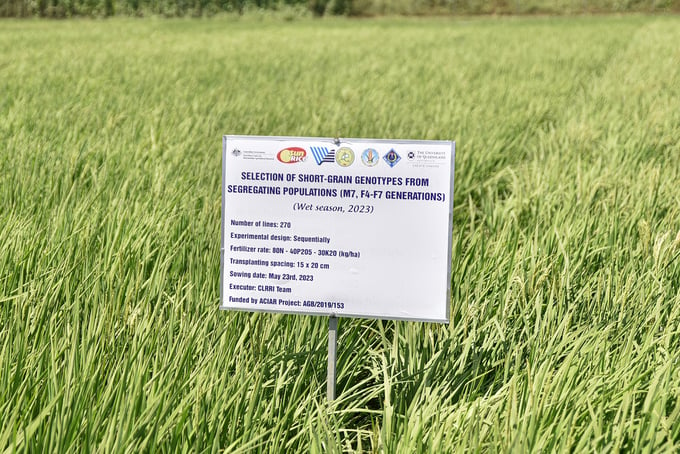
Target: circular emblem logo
<point x="370" y="157"/>
<point x="411" y="155"/>
<point x="344" y="156"/>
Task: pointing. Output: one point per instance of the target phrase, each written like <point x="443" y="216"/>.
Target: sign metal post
<point x="332" y="355"/>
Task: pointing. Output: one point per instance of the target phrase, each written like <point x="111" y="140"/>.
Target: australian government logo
<point x="392" y="158"/>
<point x="344" y="156"/>
<point x="322" y="154"/>
<point x="370" y="157"/>
<point x="291" y="155"/>
<point x="258" y="155"/>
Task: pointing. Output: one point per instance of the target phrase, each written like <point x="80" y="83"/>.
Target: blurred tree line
<point x="198" y="8"/>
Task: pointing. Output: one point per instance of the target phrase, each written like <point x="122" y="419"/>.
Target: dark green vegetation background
<point x="297" y="8"/>
<point x="565" y="317"/>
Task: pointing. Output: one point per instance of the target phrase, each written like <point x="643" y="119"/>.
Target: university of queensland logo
<point x="370" y="157"/>
<point x="291" y="155"/>
<point x="392" y="158"/>
<point x="322" y="154"/>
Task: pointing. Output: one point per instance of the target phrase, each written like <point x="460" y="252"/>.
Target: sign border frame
<point x="449" y="274"/>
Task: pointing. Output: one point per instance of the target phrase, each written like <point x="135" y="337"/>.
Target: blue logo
<point x="392" y="158"/>
<point x="322" y="154"/>
<point x="370" y="157"/>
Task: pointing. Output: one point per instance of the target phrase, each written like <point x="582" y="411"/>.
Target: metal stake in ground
<point x="332" y="350"/>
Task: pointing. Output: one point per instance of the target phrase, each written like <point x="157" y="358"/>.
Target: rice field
<point x="565" y="315"/>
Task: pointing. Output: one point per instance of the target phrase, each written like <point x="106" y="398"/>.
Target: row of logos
<point x="343" y="156"/>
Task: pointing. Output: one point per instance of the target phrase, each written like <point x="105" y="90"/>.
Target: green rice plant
<point x="565" y="310"/>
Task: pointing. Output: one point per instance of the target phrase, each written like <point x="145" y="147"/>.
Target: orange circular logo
<point x="291" y="155"/>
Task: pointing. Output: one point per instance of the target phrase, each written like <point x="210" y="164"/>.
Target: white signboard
<point x="348" y="227"/>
